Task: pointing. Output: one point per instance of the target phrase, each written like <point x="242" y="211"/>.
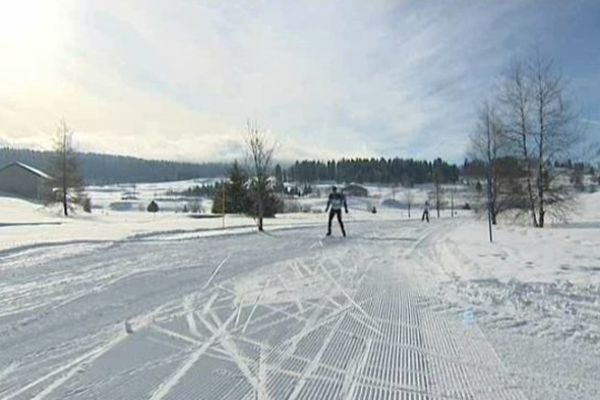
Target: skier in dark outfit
<point x="335" y="202"/>
<point x="425" y="212"/>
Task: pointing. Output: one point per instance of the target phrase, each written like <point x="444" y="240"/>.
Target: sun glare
<point x="31" y="36"/>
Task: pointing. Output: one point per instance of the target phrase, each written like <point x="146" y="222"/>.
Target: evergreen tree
<point x="238" y="191"/>
<point x="271" y="204"/>
<point x="237" y="196"/>
<point x="233" y="194"/>
<point x="152" y="207"/>
<point x="437" y="177"/>
<point x="371" y="170"/>
<point x="278" y="179"/>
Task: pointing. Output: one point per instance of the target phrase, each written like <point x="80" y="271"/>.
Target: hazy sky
<point x="178" y="79"/>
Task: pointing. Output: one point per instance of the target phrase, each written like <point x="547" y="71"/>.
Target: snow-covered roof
<point x="29" y="168"/>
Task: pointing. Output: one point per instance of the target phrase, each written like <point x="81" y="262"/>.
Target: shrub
<point x="291" y="205"/>
<point x="87" y="205"/>
<point x="195" y="207"/>
<point x="152" y="207"/>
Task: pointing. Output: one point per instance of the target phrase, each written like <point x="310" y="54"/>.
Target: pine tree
<point x="232" y="194"/>
<point x="370" y="170"/>
<point x="237" y="189"/>
<point x="437" y="177"/>
<point x="278" y="179"/>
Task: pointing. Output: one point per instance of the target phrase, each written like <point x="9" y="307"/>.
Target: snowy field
<point x="398" y="310"/>
<point x="135" y="197"/>
<point x="112" y="218"/>
<point x="24" y="224"/>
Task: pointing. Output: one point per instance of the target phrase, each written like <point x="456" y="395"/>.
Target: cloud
<point x="179" y="79"/>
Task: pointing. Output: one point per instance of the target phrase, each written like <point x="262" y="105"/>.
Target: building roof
<point x="29" y="168"/>
<point x="356" y="190"/>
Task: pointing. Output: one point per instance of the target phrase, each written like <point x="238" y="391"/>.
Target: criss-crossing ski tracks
<point x="324" y="319"/>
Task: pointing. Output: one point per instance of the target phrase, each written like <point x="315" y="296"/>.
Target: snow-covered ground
<point x="399" y="309"/>
<point x="23" y="223"/>
<point x="27" y="224"/>
<point x="135" y="197"/>
<point x="535" y="293"/>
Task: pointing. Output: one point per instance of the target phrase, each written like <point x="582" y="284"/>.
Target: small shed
<point x="356" y="190"/>
<point x="19" y="179"/>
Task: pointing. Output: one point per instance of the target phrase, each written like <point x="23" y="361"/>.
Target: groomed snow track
<point x="325" y="319"/>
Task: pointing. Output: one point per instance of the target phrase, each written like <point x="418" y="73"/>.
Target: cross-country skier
<point x="425" y="212"/>
<point x="335" y="202"/>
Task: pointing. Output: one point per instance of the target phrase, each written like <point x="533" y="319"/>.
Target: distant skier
<point x="425" y="212"/>
<point x="335" y="202"/>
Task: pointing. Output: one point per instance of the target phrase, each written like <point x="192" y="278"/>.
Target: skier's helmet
<point x="334" y="189"/>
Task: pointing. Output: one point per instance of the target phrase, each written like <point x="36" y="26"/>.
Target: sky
<point x="179" y="79"/>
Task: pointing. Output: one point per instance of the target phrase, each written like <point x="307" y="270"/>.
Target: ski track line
<point x="366" y="325"/>
<point x="255" y="305"/>
<point x="56" y="303"/>
<point x="8" y="370"/>
<point x="294" y="267"/>
<point x="231" y="347"/>
<point x="189" y="317"/>
<point x="314" y="363"/>
<point x="355" y="372"/>
<point x="288" y="290"/>
<point x="216" y="271"/>
<point x="176" y="335"/>
<point x="165" y="387"/>
<point x="209" y="303"/>
<point x="343" y="291"/>
<point x="97" y="353"/>
<point x="72" y="366"/>
<point x="91" y="355"/>
<point x="239" y="311"/>
<point x="290" y="345"/>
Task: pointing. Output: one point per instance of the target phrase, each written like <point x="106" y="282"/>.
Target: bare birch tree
<point x="67" y="183"/>
<point x="517" y="103"/>
<point x="438" y="191"/>
<point x="260" y="155"/>
<point x="489" y="144"/>
<point x="541" y="125"/>
<point x="409" y="199"/>
<point x="554" y="133"/>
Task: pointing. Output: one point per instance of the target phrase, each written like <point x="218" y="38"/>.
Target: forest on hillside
<point x="107" y="169"/>
<point x="394" y="171"/>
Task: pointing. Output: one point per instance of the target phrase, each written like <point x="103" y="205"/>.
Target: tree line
<point x="381" y="170"/>
<point x="101" y="169"/>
